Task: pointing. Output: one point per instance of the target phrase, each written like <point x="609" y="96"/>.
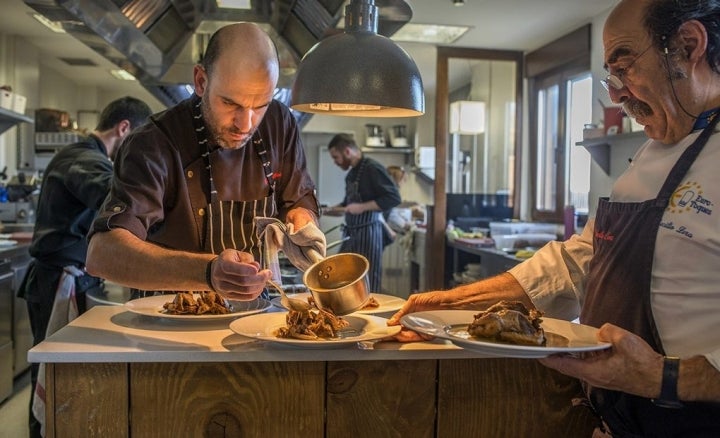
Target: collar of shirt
<point x="705" y="118"/>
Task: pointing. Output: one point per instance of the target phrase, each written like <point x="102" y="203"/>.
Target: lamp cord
<point x="672" y="86"/>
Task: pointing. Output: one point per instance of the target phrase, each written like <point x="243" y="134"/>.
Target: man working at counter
<point x="188" y="185"/>
<point x="74" y="186"/>
<point x="646" y="271"/>
<point x="369" y="194"/>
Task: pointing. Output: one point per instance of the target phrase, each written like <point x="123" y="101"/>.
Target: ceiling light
<point x="359" y="73"/>
<point x="429" y="33"/>
<point x="54" y="26"/>
<point x="233" y="4"/>
<point x="122" y="74"/>
<point x="458" y="2"/>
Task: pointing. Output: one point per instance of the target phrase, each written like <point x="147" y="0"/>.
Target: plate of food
<point x="379" y="303"/>
<point x="506" y="330"/>
<point x="313" y="328"/>
<point x="202" y="306"/>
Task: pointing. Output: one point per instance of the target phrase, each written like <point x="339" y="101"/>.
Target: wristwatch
<point x="668" y="390"/>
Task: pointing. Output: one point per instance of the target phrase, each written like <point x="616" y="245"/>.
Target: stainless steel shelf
<point x="387" y="150"/>
<point x="8" y="119"/>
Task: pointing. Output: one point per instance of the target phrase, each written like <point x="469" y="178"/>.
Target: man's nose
<point x="619" y="96"/>
<point x="243" y="119"/>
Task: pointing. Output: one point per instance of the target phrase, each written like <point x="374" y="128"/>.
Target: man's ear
<point x="123" y="128"/>
<point x="200" y="79"/>
<point x="693" y="40"/>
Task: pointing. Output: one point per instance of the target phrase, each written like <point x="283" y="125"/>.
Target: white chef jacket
<point x="685" y="284"/>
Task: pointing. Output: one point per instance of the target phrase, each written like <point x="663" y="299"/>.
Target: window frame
<point x="557" y="77"/>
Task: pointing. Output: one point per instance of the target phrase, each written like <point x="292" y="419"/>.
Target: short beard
<point x="214" y="135"/>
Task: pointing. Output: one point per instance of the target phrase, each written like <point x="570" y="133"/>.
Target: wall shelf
<point x="387" y="150"/>
<point x="599" y="148"/>
<point x="8" y="119"/>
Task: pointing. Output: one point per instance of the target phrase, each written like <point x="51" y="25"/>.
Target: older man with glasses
<point x="645" y="270"/>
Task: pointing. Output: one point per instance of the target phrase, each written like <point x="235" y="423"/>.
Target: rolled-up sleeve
<point x="554" y="277"/>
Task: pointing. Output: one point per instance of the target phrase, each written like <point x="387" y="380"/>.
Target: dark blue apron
<point x="365" y="231"/>
<point x="618" y="292"/>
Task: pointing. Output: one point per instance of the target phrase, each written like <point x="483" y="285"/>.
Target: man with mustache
<point x="645" y="271"/>
<point x="188" y="186"/>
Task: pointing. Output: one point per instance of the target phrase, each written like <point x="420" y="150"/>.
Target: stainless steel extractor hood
<point x="159" y="41"/>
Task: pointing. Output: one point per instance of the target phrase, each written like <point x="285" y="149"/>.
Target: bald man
<point x="188" y="185"/>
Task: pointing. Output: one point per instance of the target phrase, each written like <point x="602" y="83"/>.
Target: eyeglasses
<point x="615" y="80"/>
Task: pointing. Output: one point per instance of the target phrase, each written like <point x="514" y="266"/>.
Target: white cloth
<point x="64" y="310"/>
<point x="685" y="295"/>
<point x="303" y="247"/>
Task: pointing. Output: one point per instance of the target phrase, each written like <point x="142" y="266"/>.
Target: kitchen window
<point x="560" y="104"/>
<point x="561" y="170"/>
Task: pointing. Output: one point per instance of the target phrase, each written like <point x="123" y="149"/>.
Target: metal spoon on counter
<point x="287" y="302"/>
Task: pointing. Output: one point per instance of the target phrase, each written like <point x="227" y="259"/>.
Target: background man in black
<point x="74" y="186"/>
<point x="369" y="193"/>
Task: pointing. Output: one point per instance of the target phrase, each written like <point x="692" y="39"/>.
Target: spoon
<point x="287" y="302"/>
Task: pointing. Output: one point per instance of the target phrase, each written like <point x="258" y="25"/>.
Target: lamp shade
<point x="467" y="117"/>
<point x="358" y="73"/>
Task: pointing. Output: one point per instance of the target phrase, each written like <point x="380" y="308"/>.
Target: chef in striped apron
<point x="369" y="193"/>
<point x="187" y="186"/>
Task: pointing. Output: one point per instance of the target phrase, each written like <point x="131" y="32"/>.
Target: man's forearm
<point x="121" y="257"/>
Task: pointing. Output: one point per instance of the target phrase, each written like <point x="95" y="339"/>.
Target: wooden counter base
<point x="404" y="398"/>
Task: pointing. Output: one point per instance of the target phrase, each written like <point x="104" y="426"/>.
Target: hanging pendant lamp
<point x="358" y="73"/>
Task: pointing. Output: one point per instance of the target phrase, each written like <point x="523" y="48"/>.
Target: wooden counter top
<point x="113" y="373"/>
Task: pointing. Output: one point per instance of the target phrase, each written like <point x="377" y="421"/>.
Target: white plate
<point x="263" y="327"/>
<point x="388" y="303"/>
<point x="153" y="306"/>
<point x="563" y="336"/>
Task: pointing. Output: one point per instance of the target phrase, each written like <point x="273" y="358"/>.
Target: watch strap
<point x="668" y="389"/>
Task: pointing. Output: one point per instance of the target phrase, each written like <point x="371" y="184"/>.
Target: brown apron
<point x="618" y="292"/>
<point x="365" y="232"/>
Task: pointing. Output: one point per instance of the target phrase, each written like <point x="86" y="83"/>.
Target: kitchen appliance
<point x="375" y="137"/>
<point x="17" y="212"/>
<point x="398" y="136"/>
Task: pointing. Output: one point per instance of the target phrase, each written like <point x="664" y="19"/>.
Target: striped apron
<point x="365" y="232"/>
<point x="229" y="224"/>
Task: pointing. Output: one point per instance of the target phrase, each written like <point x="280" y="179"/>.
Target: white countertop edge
<point x="284" y="355"/>
<point x="110" y="334"/>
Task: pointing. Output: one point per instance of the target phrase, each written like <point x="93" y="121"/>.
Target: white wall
<point x="22" y="68"/>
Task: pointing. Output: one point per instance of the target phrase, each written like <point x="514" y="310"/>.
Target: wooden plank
<point x="381" y="399"/>
<point x="509" y="398"/>
<point x="49" y="400"/>
<point x="89" y="400"/>
<point x="238" y="399"/>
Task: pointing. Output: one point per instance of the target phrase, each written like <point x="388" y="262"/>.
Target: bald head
<point x="243" y="48"/>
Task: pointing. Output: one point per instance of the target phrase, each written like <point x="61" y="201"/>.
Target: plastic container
<point x="507" y="242"/>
